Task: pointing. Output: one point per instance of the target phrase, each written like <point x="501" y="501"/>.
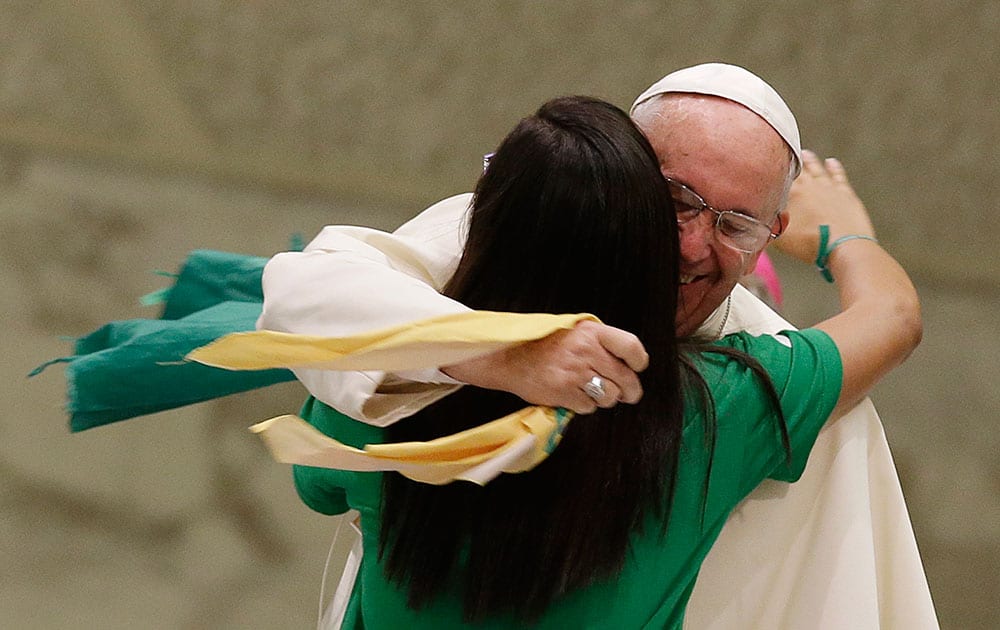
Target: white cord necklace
<point x="725" y="317"/>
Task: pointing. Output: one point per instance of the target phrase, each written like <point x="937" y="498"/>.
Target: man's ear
<point x="780" y="223"/>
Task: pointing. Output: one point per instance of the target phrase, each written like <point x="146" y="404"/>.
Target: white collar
<point x="715" y="323"/>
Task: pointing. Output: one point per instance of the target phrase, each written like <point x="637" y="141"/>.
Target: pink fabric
<point x="769" y="276"/>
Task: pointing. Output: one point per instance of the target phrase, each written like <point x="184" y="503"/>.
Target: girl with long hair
<point x="572" y="215"/>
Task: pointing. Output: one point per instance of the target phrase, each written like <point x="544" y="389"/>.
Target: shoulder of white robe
<point x="750" y="314"/>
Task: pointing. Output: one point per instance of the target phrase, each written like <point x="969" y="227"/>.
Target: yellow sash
<point x="514" y="443"/>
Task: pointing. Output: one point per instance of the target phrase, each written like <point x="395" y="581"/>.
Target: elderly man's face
<point x="735" y="161"/>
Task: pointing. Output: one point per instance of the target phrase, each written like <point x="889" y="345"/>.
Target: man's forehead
<point x="750" y="180"/>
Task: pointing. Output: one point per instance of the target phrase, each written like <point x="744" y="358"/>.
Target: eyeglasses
<point x="733" y="229"/>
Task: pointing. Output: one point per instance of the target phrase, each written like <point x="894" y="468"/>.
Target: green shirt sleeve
<point x="805" y="369"/>
<point x="325" y="490"/>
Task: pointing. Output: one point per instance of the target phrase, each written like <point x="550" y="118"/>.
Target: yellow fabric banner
<point x="426" y="343"/>
<point x="514" y="443"/>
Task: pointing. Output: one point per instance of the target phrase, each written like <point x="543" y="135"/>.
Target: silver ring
<point x="595" y="388"/>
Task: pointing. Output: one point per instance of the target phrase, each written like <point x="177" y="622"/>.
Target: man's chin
<point x="689" y="316"/>
<point x="696" y="304"/>
<point x="687" y="323"/>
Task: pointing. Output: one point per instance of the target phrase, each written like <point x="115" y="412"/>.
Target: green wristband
<point x="823" y="256"/>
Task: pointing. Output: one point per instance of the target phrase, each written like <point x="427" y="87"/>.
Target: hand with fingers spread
<point x="821" y="195"/>
<point x="593" y="365"/>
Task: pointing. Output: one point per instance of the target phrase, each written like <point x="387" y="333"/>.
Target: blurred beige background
<point x="132" y="132"/>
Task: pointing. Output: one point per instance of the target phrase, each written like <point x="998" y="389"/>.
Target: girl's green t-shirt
<point x="660" y="573"/>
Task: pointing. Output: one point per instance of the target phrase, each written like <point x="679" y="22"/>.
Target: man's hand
<point x="821" y="195"/>
<point x="553" y="370"/>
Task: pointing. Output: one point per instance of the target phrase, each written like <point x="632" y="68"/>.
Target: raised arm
<point x="352" y="279"/>
<point x="879" y="324"/>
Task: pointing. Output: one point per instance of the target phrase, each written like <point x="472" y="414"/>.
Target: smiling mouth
<point x="687" y="279"/>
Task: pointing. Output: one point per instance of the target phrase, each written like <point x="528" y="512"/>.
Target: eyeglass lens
<point x="735" y="230"/>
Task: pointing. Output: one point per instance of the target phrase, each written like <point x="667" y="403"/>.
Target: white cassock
<point x="834" y="550"/>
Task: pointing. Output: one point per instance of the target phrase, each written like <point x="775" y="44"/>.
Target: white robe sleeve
<point x="352" y="279"/>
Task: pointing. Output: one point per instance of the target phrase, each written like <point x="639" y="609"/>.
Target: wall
<point x="131" y="133"/>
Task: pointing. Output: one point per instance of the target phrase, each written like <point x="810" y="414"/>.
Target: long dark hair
<point x="572" y="215"/>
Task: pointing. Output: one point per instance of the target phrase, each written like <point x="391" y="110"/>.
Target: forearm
<point x="350" y="280"/>
<point x="880" y="322"/>
<point x="338" y="293"/>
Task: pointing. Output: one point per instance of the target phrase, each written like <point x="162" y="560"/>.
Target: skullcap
<point x="738" y="85"/>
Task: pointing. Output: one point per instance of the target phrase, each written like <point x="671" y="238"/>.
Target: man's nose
<point x="696" y="237"/>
